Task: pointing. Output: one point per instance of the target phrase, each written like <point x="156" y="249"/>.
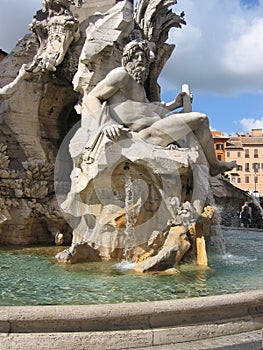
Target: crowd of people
<point x="251" y="214"/>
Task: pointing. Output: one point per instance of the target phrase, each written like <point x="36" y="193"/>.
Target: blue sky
<point x="219" y="53"/>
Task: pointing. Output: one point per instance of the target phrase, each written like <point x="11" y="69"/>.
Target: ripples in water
<point x="31" y="276"/>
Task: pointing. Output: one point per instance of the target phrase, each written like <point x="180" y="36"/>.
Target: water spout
<point x="126" y="166"/>
<point x="129" y="201"/>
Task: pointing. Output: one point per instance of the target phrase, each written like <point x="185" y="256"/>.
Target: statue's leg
<point x="171" y="128"/>
<point x="205" y="138"/>
<point x="176" y="126"/>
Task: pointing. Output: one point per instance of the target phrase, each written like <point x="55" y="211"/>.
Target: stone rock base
<point x="78" y="252"/>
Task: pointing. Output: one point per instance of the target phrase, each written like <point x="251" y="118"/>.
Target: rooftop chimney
<point x="256" y="132"/>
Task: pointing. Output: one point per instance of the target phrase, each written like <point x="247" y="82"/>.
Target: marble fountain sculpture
<point x="140" y="168"/>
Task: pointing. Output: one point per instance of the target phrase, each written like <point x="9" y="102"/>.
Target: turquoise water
<point x="31" y="276"/>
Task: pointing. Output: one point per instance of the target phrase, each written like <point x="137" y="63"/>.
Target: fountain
<point x="169" y="158"/>
<point x="133" y="195"/>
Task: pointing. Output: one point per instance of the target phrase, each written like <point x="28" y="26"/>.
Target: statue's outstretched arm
<point x="8" y="90"/>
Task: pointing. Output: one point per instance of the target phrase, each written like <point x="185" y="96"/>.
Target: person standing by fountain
<point x="124" y="92"/>
<point x="245" y="215"/>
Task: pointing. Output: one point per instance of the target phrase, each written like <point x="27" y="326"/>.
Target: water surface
<point x="31" y="276"/>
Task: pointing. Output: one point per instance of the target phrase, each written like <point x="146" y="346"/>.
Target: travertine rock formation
<point x="36" y="111"/>
<point x="127" y="196"/>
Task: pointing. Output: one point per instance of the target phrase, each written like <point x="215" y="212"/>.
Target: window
<point x="255" y="179"/>
<point x="239" y="167"/>
<point x="247" y="167"/>
<point x="255" y="153"/>
<point x="238" y="154"/>
<point x="247" y="179"/>
<point x="233" y="180"/>
<point x="238" y="180"/>
<point x="246" y="153"/>
<point x="219" y="146"/>
<point x="219" y="157"/>
<point x="228" y="154"/>
<point x="261" y="165"/>
<point x="255" y="166"/>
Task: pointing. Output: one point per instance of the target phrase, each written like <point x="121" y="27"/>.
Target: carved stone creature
<point x="55" y="34"/>
<point x="55" y="30"/>
<point x="58" y="5"/>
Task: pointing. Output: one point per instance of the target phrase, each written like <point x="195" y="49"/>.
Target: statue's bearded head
<point x="136" y="59"/>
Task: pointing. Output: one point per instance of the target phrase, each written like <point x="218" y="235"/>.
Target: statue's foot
<point x="172" y="146"/>
<point x="221" y="167"/>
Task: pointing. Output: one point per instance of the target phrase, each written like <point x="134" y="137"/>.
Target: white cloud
<point x="250" y="123"/>
<point x="243" y="55"/>
<point x="221" y="48"/>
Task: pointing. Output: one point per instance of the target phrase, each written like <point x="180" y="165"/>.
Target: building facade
<point x="220" y="141"/>
<point x="247" y="151"/>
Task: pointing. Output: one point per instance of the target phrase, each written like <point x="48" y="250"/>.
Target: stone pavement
<point x="242" y="341"/>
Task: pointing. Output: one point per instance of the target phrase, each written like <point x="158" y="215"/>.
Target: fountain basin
<point x="127" y="324"/>
<point x="131" y="325"/>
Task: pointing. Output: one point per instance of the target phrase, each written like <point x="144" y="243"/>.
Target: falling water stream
<point x="129" y="201"/>
<point x="218" y="240"/>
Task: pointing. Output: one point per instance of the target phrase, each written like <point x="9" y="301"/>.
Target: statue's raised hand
<point x="179" y="100"/>
<point x="176" y="103"/>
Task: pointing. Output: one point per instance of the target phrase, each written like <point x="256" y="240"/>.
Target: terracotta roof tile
<point x="252" y="140"/>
